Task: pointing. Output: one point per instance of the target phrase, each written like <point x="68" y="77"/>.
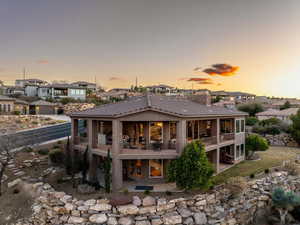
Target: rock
<point x="231" y="222"/>
<point x="66" y="198"/>
<point x="90" y="202"/>
<point x="101" y="207"/>
<point x="112" y="221"/>
<point x="188" y="221"/>
<point x="136" y="200"/>
<point x="201" y="203"/>
<point x="143" y="222"/>
<point x="184" y="212"/>
<point x="76" y="220"/>
<point x="149" y="201"/>
<point x="200" y="218"/>
<point x="125" y="221"/>
<point x="147" y="210"/>
<point x="69" y="207"/>
<point x="14" y="183"/>
<point x="120" y="200"/>
<point x="98" y="218"/>
<point x="165" y="207"/>
<point x="128" y="209"/>
<point x="156" y="222"/>
<point x="172" y="218"/>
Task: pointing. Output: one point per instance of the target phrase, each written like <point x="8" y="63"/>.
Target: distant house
<point x="21" y="106"/>
<point x="113" y="94"/>
<point x="283" y="115"/>
<point x="13" y="90"/>
<point x="161" y="88"/>
<point x="239" y="97"/>
<point x="86" y="85"/>
<point x="24" y="82"/>
<point x="42" y="107"/>
<point x="11" y="105"/>
<point x="59" y="91"/>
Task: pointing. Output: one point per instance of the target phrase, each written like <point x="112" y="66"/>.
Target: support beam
<point x="117" y="176"/>
<point x="181" y="135"/>
<point x="166" y="134"/>
<point x="147" y="134"/>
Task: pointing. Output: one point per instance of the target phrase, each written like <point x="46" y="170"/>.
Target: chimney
<point x="201" y="97"/>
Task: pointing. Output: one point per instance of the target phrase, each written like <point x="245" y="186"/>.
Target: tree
<point x="284" y="202"/>
<point x="295" y="128"/>
<point x="85" y="165"/>
<point x="192" y="169"/>
<point x="255" y="142"/>
<point x="107" y="172"/>
<point x="251" y="121"/>
<point x="251" y="108"/>
<point x="286" y="105"/>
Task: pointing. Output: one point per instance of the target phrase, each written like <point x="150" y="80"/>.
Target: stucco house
<point x="283" y="115"/>
<point x="145" y="133"/>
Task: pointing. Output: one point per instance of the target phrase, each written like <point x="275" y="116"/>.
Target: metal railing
<point x="226" y="137"/>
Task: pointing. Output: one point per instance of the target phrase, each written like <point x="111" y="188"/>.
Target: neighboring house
<point x="21" y="106"/>
<point x="13" y="90"/>
<point x="145" y="133"/>
<point x="59" y="91"/>
<point x="7" y="105"/>
<point x="161" y="88"/>
<point x="239" y="97"/>
<point x="113" y="94"/>
<point x="277" y="103"/>
<point x="86" y="85"/>
<point x="42" y="107"/>
<point x="24" y="82"/>
<point x="283" y="115"/>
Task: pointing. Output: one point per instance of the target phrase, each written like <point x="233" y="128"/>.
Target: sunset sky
<point x="158" y="41"/>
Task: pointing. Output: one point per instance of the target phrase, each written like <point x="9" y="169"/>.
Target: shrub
<point x="251" y="121"/>
<point x="252" y="175"/>
<point x="56" y="156"/>
<point x="43" y="151"/>
<point x="169" y="193"/>
<point x="259" y="129"/>
<point x="192" y="169"/>
<point x="27" y="149"/>
<point x="255" y="143"/>
<point x="273" y="130"/>
<point x="251" y="108"/>
<point x="292" y="168"/>
<point x="146" y="192"/>
<point x="267" y="171"/>
<point x="295" y="128"/>
<point x="271" y="121"/>
<point x="236" y="185"/>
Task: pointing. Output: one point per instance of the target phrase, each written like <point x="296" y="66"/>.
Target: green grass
<point x="274" y="156"/>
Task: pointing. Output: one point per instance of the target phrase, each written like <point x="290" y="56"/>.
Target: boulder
<point x="172" y="218"/>
<point x="98" y="218"/>
<point x="101" y="207"/>
<point x="126" y="221"/>
<point x="76" y="220"/>
<point x="149" y="201"/>
<point x="136" y="200"/>
<point x="128" y="209"/>
<point x="200" y="218"/>
<point x="14" y="183"/>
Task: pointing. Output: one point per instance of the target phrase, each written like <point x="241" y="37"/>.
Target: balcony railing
<point x="226" y="137"/>
<point x="209" y="140"/>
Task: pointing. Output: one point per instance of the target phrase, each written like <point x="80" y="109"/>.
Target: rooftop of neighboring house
<point x="275" y="112"/>
<point x="42" y="103"/>
<point x="6" y="98"/>
<point x="279" y="102"/>
<point x="21" y="102"/>
<point x="179" y="107"/>
<point x="82" y="83"/>
<point x="160" y="86"/>
<point x="62" y="86"/>
<point x="231" y="93"/>
<point x="32" y="80"/>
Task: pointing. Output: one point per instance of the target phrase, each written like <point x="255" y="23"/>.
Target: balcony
<point x="227" y="137"/>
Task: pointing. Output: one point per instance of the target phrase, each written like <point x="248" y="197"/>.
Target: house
<point x="239" y="97"/>
<point x="283" y="115"/>
<point x="59" y="91"/>
<point x="21" y="106"/>
<point x="23" y="82"/>
<point x="7" y="105"/>
<point x="113" y="94"/>
<point x="89" y="86"/>
<point x="145" y="133"/>
<point x="42" y="107"/>
<point x="161" y="88"/>
<point x="13" y="90"/>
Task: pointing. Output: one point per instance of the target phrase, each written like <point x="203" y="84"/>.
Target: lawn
<point x="274" y="156"/>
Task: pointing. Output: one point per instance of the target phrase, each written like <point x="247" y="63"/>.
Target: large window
<point x="155" y="168"/>
<point x="237" y="126"/>
<point x="156" y="132"/>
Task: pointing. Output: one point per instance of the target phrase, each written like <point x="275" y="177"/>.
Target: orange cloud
<point x="221" y="69"/>
<point x="42" y="61"/>
<point x="199" y="80"/>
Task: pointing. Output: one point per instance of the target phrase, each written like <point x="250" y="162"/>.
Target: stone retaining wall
<point x="57" y="208"/>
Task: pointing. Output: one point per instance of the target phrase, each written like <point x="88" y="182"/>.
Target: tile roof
<point x="43" y="103"/>
<point x="164" y="104"/>
<point x="274" y="112"/>
<point x="5" y="98"/>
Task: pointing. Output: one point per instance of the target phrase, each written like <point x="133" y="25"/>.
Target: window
<point x="155" y="168"/>
<point x="242" y="125"/>
<point x="156" y="132"/>
<point x="8" y="108"/>
<point x="242" y="149"/>
<point x="237" y="129"/>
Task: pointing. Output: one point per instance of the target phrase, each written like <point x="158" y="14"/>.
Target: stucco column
<point x="166" y="134"/>
<point x="90" y="133"/>
<point x="181" y="135"/>
<point x="217" y="160"/>
<point x="117" y="178"/>
<point x="218" y="131"/>
<point x="147" y="134"/>
<point x="74" y="131"/>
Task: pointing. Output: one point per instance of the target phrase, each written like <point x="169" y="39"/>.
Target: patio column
<point x="147" y="134"/>
<point x="74" y="131"/>
<point x="218" y="131"/>
<point x="117" y="178"/>
<point x="166" y="134"/>
<point x="181" y="135"/>
<point x="92" y="133"/>
<point x="216" y="160"/>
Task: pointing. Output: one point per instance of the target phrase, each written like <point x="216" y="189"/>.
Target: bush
<point x="252" y="108"/>
<point x="43" y="151"/>
<point x="192" y="169"/>
<point x="168" y="193"/>
<point x="252" y="175"/>
<point x="267" y="171"/>
<point x="292" y="168"/>
<point x="271" y="121"/>
<point x="56" y="156"/>
<point x="259" y="129"/>
<point x="255" y="143"/>
<point x="27" y="149"/>
<point x="295" y="128"/>
<point x="251" y="121"/>
<point x="17" y="113"/>
<point x="146" y="192"/>
<point x="236" y="185"/>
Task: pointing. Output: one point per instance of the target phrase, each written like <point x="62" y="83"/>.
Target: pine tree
<point x="85" y="165"/>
